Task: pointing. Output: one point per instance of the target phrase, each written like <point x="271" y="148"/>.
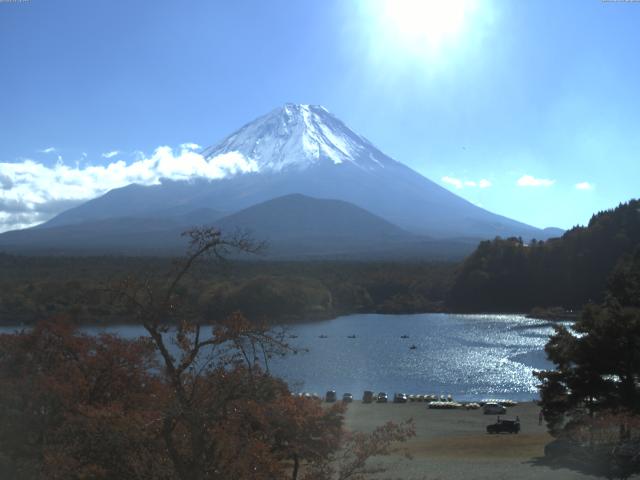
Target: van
<point x="492" y="408"/>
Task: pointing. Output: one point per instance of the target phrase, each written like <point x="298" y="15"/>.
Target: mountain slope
<point x="299" y="137"/>
<point x="151" y="235"/>
<point x="298" y="216"/>
<point x="293" y="226"/>
<point x="304" y="149"/>
<point x="297" y="225"/>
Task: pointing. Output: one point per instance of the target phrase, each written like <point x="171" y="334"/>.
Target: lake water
<point x="468" y="356"/>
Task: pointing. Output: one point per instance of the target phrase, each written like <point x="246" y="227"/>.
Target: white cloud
<point x="33" y="192"/>
<point x="138" y="155"/>
<point x="456" y="182"/>
<point x="48" y="150"/>
<point x="190" y="146"/>
<point x="110" y="154"/>
<point x="584" y="186"/>
<point x="5" y="182"/>
<point x="529" y="181"/>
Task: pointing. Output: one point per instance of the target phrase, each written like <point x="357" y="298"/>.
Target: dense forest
<point x="33" y="288"/>
<point x="591" y="399"/>
<point x="510" y="275"/>
<point x="501" y="275"/>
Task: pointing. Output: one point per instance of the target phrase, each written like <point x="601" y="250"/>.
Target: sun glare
<point x="421" y="27"/>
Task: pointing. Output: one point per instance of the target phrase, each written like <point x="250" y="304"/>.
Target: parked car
<point x="330" y="396"/>
<point x="491" y="408"/>
<point x="367" y="396"/>
<point x="382" y="397"/>
<point x="504" y="426"/>
<point x="400" y="398"/>
<point x="347" y="398"/>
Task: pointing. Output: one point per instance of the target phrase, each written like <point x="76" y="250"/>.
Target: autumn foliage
<point x="74" y="406"/>
<point x="188" y="401"/>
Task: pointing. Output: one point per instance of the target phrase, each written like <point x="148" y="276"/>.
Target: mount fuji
<point x="299" y="154"/>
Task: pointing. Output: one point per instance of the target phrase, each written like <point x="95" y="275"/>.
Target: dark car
<point x="382" y="398"/>
<point x="504" y="426"/>
<point x="367" y="396"/>
<point x="347" y="398"/>
<point x="330" y="396"/>
<point x="400" y="398"/>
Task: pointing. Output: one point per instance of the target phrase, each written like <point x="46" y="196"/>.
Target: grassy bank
<point x="453" y="444"/>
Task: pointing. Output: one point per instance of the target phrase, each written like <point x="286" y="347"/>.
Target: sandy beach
<point x="453" y="444"/>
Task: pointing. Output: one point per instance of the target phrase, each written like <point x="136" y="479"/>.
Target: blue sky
<point x="529" y="109"/>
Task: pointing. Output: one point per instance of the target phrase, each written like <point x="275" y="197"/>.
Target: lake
<point x="468" y="356"/>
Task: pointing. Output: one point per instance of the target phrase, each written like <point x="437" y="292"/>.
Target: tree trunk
<point x="296" y="466"/>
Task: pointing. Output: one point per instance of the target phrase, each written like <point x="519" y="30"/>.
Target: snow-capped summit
<point x="302" y="149"/>
<point x="296" y="137"/>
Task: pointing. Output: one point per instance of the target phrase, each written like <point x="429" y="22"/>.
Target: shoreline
<point x="291" y="322"/>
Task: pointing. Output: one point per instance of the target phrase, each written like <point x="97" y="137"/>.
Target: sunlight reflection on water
<point x="468" y="356"/>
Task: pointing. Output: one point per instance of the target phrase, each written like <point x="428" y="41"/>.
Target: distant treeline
<point x="501" y="275"/>
<point x="509" y="275"/>
<point x="81" y="287"/>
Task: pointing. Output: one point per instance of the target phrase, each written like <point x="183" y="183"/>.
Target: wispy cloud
<point x="456" y="182"/>
<point x="190" y="146"/>
<point x="584" y="186"/>
<point x="459" y="183"/>
<point x="32" y="192"/>
<point x="48" y="150"/>
<point x="530" y="181"/>
<point x="111" y="154"/>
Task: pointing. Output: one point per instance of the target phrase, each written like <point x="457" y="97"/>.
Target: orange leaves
<point x="76" y="406"/>
<point x="302" y="428"/>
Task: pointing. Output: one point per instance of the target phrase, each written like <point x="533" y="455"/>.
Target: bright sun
<point x="423" y="27"/>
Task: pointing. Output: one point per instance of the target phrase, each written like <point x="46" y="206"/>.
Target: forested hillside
<point x="33" y="288"/>
<point x="501" y="275"/>
<point x="508" y="274"/>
